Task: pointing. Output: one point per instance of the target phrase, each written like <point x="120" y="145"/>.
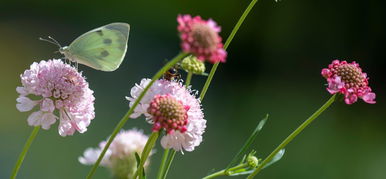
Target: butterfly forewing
<point x="103" y="48"/>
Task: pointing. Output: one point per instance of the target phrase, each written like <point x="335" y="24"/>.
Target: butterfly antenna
<point x="56" y="42"/>
<point x="51" y="41"/>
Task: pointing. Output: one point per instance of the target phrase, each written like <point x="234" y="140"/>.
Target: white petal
<point x="47" y="120"/>
<point x="22" y="91"/>
<point x="25" y="104"/>
<point x="47" y="105"/>
<point x="65" y="128"/>
<point x="35" y="118"/>
<point x="90" y="156"/>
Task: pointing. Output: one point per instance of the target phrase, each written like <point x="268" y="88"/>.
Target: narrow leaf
<point x="248" y="143"/>
<point x="276" y="158"/>
<point x="137" y="158"/>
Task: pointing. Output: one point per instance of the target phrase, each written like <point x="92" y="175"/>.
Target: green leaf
<point x="276" y="158"/>
<point x="138" y="159"/>
<point x="248" y="143"/>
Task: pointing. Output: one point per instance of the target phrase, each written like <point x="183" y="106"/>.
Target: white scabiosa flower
<point x="170" y="106"/>
<point x="120" y="157"/>
<point x="58" y="87"/>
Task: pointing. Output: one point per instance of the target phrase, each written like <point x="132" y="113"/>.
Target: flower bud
<point x="252" y="161"/>
<point x="192" y="64"/>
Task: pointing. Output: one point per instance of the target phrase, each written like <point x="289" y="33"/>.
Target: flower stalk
<point x="226" y="44"/>
<point x="227" y="172"/>
<point x="145" y="153"/>
<point x="293" y="135"/>
<point x="22" y="155"/>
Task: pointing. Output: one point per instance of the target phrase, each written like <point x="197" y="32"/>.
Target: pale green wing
<point x="103" y="48"/>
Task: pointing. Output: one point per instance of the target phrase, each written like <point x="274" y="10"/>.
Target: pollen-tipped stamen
<point x="168" y="113"/>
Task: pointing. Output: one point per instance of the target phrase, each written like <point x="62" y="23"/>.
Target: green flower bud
<point x="252" y="161"/>
<point x="192" y="64"/>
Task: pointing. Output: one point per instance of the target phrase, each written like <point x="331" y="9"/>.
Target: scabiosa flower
<point x="349" y="80"/>
<point x="59" y="89"/>
<point x="170" y="106"/>
<point x="120" y="156"/>
<point x="201" y="38"/>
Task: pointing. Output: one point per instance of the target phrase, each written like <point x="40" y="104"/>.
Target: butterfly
<point x="103" y="48"/>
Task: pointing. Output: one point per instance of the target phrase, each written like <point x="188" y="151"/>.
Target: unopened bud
<point x="192" y="64"/>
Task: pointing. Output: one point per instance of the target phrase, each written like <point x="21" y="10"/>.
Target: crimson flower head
<point x="349" y="80"/>
<point x="200" y="37"/>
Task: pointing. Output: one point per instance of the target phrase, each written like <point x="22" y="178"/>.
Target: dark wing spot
<point x="105" y="53"/>
<point x="107" y="41"/>
<point x="99" y="32"/>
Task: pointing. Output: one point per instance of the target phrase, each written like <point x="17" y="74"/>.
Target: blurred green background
<point x="273" y="67"/>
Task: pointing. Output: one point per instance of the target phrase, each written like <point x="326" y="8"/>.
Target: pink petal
<point x="369" y="98"/>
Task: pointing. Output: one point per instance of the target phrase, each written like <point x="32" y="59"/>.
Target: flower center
<point x="168" y="113"/>
<point x="351" y="75"/>
<point x="205" y="36"/>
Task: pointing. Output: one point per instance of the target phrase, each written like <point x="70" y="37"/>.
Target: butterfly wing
<point x="103" y="48"/>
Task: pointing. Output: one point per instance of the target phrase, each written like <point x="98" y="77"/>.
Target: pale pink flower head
<point x="200" y="37"/>
<point x="170" y="106"/>
<point x="56" y="88"/>
<point x="349" y="80"/>
<point x="120" y="156"/>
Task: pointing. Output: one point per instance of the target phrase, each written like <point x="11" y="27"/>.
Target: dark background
<point x="273" y="67"/>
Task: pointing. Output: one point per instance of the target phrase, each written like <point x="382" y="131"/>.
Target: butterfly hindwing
<point x="103" y="48"/>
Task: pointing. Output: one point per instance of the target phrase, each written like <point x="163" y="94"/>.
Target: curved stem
<point x="163" y="162"/>
<point x="169" y="163"/>
<point x="226" y="172"/>
<point x="131" y="110"/>
<point x="293" y="135"/>
<point x="22" y="155"/>
<point x="226" y="44"/>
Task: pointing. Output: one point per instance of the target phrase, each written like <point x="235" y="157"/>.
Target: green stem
<point x="22" y="155"/>
<point x="163" y="162"/>
<point x="188" y="79"/>
<point x="226" y="172"/>
<point x="145" y="153"/>
<point x="169" y="163"/>
<point x="293" y="135"/>
<point x="131" y="110"/>
<point x="227" y="42"/>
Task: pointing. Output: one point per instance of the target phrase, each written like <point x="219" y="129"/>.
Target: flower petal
<point x="35" y="119"/>
<point x="369" y="98"/>
<point x="47" y="120"/>
<point x="25" y="104"/>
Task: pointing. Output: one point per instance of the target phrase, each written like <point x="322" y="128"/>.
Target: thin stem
<point x="145" y="153"/>
<point x="188" y="79"/>
<point x="227" y="42"/>
<point x="163" y="162"/>
<point x="293" y="135"/>
<point x="131" y="110"/>
<point x="22" y="155"/>
<point x="226" y="172"/>
<point x="169" y="163"/>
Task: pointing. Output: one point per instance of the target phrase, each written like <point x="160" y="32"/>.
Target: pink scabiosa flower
<point x="168" y="105"/>
<point x="55" y="86"/>
<point x="349" y="80"/>
<point x="120" y="156"/>
<point x="201" y="38"/>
